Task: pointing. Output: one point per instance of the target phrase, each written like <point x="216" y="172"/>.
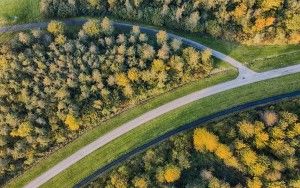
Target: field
<point x="159" y="126"/>
<point x="257" y="58"/>
<point x="19" y="11"/>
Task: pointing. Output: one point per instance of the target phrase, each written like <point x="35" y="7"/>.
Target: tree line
<point x="253" y="149"/>
<point x="53" y="85"/>
<point x="248" y="22"/>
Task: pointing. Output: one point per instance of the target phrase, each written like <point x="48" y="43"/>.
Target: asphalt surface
<point x="197" y="123"/>
<point x="246" y="76"/>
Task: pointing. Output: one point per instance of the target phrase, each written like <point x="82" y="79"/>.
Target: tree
<point x="158" y="65"/>
<point x="249" y="157"/>
<point x="161" y="37"/>
<point x="94" y="4"/>
<point x="204" y="140"/>
<point x="106" y="26"/>
<point x="240" y="11"/>
<point x="254" y="183"/>
<point x="23" y="130"/>
<point x="270" y="118"/>
<point x="121" y="79"/>
<point x="56" y="27"/>
<point x="246" y="129"/>
<point x="268" y="5"/>
<point x="293" y="23"/>
<point x="72" y="122"/>
<point x="60" y="39"/>
<point x="133" y="74"/>
<point x="176" y="44"/>
<point x="140" y="182"/>
<point x="213" y="28"/>
<point x="192" y="22"/>
<point x="92" y="28"/>
<point x="172" y="173"/>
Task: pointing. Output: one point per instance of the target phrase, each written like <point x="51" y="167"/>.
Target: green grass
<point x="19" y="11"/>
<point x="120" y="119"/>
<point x="170" y="121"/>
<point x="257" y="58"/>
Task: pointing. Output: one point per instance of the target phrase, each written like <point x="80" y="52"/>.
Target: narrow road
<point x="246" y="76"/>
<point x="123" y="129"/>
<point x="201" y="121"/>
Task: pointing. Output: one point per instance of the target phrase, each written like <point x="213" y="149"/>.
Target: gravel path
<point x="246" y="76"/>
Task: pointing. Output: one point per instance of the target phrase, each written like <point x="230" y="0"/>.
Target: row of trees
<point x="254" y="149"/>
<point x="251" y="22"/>
<point x="48" y="81"/>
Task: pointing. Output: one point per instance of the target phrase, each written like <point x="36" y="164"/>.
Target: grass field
<point x="105" y="127"/>
<point x="19" y="11"/>
<point x="170" y="121"/>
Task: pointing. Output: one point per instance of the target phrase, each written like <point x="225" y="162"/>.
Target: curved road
<point x="183" y="128"/>
<point x="246" y="76"/>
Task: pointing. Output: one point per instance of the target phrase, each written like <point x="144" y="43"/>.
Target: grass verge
<point x="170" y="121"/>
<point x="120" y="119"/>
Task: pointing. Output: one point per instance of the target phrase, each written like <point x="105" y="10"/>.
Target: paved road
<point x="246" y="77"/>
<point x="189" y="126"/>
<point x="123" y="129"/>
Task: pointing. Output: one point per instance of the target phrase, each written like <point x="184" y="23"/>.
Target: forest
<point x="244" y="21"/>
<point x="257" y="148"/>
<point x="55" y="84"/>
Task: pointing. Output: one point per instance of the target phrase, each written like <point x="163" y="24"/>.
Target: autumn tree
<point x="92" y="28"/>
<point x="172" y="173"/>
<point x="161" y="37"/>
<point x="56" y="27"/>
<point x="72" y="122"/>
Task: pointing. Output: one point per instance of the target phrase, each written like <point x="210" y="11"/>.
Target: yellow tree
<point x="133" y="74"/>
<point x="161" y="37"/>
<point x="3" y="63"/>
<point x="240" y="11"/>
<point x="121" y="79"/>
<point x="254" y="183"/>
<point x="140" y="182"/>
<point x="158" y="65"/>
<point x="172" y="173"/>
<point x="71" y="122"/>
<point x="91" y="28"/>
<point x="204" y="140"/>
<point x="55" y="27"/>
<point x="94" y="3"/>
<point x="271" y="4"/>
<point x="60" y="39"/>
<point x="23" y="130"/>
